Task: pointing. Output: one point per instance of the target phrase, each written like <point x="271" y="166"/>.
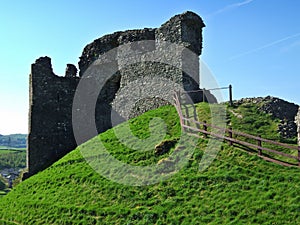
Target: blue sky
<point x="252" y="44"/>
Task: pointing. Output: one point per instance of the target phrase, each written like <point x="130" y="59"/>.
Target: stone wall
<point x="50" y="118"/>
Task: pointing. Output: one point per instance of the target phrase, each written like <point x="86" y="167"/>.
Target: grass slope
<point x="237" y="188"/>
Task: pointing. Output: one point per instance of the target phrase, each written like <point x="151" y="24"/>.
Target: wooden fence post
<point x="299" y="155"/>
<point x="195" y="117"/>
<point x="177" y="96"/>
<point x="230" y="135"/>
<point x="259" y="144"/>
<point x="205" y="128"/>
<point x="230" y="95"/>
<point x="187" y="114"/>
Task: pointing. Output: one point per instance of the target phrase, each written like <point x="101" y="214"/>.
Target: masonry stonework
<point x="50" y="117"/>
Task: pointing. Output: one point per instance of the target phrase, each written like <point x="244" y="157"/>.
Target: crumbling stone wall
<point x="50" y="125"/>
<point x="50" y="117"/>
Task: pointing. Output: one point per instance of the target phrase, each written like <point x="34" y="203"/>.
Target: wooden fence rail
<point x="232" y="136"/>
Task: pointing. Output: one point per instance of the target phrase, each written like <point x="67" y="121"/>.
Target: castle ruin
<point x="51" y="134"/>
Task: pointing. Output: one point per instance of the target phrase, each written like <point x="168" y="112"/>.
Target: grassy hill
<point x="13" y="141"/>
<point x="237" y="188"/>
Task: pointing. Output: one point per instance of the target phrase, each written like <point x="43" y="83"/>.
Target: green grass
<point x="254" y="121"/>
<point x="237" y="188"/>
<point x="247" y="118"/>
<point x="12" y="150"/>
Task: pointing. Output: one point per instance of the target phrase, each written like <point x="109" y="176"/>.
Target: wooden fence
<point x="252" y="142"/>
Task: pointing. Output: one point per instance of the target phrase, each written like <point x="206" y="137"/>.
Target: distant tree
<point x="9" y="141"/>
<point x="2" y="183"/>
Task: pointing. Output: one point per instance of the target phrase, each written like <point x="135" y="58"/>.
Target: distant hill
<point x="13" y="140"/>
<point x="237" y="188"/>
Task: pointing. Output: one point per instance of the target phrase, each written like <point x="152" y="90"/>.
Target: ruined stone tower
<point x="50" y="117"/>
